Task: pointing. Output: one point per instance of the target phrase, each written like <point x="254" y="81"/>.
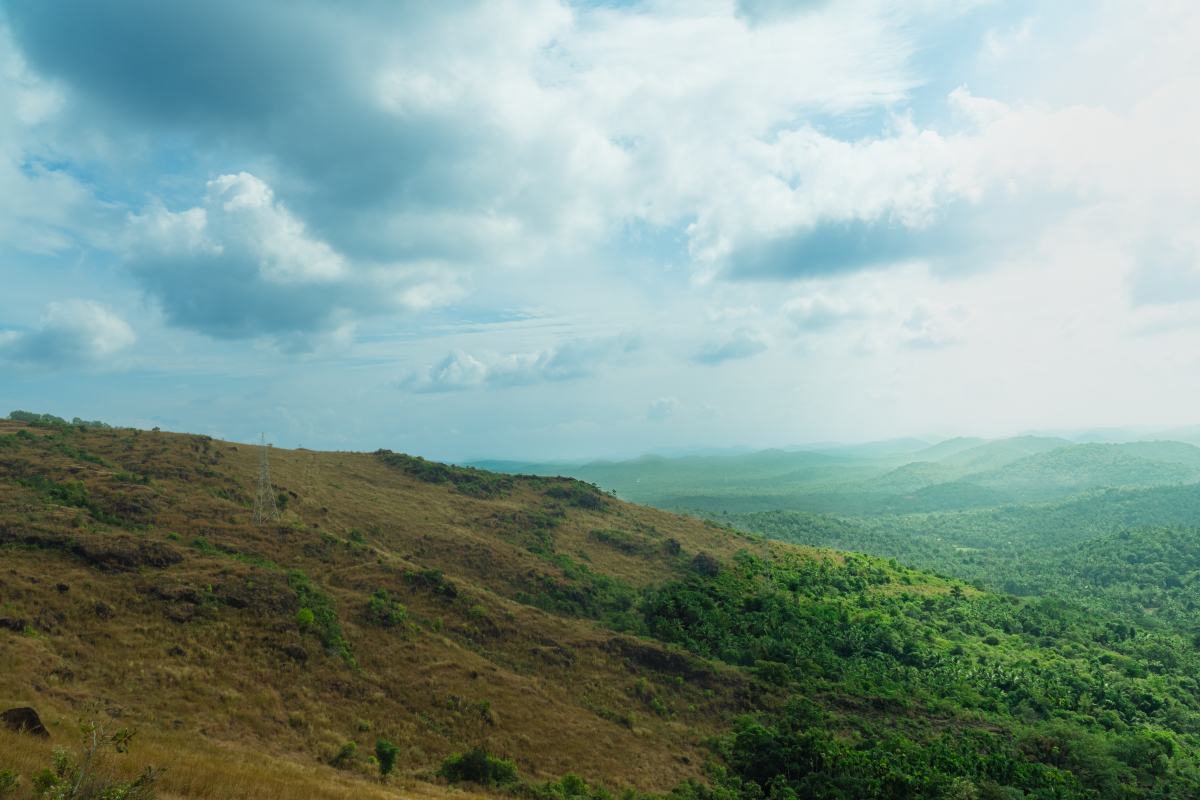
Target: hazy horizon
<point x="565" y="230"/>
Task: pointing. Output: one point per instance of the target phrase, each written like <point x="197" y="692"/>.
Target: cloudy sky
<point x="543" y="228"/>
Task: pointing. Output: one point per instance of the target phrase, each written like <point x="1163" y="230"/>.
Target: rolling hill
<point x="957" y="474"/>
<point x="528" y="636"/>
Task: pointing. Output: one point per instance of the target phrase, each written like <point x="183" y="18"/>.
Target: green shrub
<point x="385" y="754"/>
<point x="466" y="480"/>
<point x="578" y="494"/>
<point x="31" y="418"/>
<point x="79" y="776"/>
<point x="321" y="617"/>
<point x="478" y="766"/>
<point x="305" y="618"/>
<point x="573" y="787"/>
<point x="384" y="611"/>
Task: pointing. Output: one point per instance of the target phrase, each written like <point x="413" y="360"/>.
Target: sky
<point x="550" y="229"/>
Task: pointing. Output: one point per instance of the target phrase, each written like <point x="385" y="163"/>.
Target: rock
<point x="13" y="624"/>
<point x="24" y="719"/>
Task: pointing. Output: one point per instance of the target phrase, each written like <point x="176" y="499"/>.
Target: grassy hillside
<point x="508" y="633"/>
<point x="179" y="614"/>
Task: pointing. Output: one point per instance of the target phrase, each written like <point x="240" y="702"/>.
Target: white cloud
<point x="242" y="265"/>
<point x="71" y="333"/>
<point x="461" y="370"/>
<point x="241" y="219"/>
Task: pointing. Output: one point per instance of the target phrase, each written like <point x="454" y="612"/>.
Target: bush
<point x="319" y="615"/>
<point x="578" y="494"/>
<point x="385" y="754"/>
<point x="571" y="787"/>
<point x="384" y="611"/>
<point x="305" y="618"/>
<point x="478" y="766"/>
<point x="81" y="778"/>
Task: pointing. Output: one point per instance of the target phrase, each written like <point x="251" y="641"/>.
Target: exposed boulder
<point x="24" y="719"/>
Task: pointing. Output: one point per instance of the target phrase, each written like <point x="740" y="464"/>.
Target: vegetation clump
<point x="384" y="610"/>
<point x="318" y="614"/>
<point x="578" y="494"/>
<point x="385" y="755"/>
<point x="465" y="480"/>
<point x="51" y="421"/>
<point x="85" y="775"/>
<point x="478" y="766"/>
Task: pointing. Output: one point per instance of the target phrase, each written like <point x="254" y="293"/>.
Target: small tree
<point x="385" y="754"/>
<point x="81" y="777"/>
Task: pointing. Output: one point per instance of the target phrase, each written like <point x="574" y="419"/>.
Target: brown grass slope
<point x="135" y="589"/>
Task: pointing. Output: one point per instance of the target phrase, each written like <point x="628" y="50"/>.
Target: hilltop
<point x="537" y="624"/>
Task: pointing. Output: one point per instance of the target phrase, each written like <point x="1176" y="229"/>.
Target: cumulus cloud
<point x="467" y="134"/>
<point x="242" y="265"/>
<point x="738" y="344"/>
<point x="460" y="370"/>
<point x="71" y="333"/>
<point x="467" y="131"/>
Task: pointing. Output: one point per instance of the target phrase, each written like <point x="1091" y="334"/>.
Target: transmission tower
<point x="264" y="500"/>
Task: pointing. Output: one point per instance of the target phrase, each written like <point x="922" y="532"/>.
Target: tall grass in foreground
<point x="195" y="770"/>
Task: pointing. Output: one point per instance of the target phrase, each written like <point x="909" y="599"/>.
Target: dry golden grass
<point x="199" y="648"/>
<point x="216" y="773"/>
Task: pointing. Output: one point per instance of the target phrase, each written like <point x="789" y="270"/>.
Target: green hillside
<point x="1069" y="470"/>
<point x="993" y="455"/>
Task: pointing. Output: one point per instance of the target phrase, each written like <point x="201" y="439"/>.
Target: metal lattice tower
<point x="264" y="499"/>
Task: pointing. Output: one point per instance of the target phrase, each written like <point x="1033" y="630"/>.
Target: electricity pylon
<point x="264" y="500"/>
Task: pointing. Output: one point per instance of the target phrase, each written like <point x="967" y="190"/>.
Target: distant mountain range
<point x="885" y="477"/>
